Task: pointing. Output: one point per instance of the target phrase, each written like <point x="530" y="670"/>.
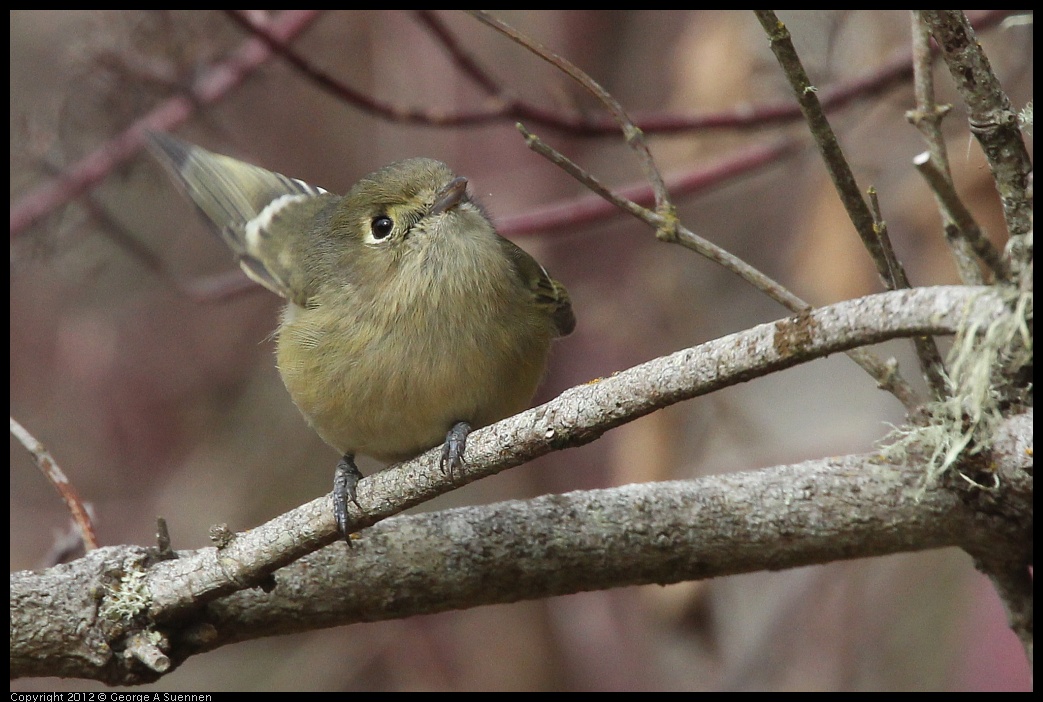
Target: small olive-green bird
<point x="408" y="321"/>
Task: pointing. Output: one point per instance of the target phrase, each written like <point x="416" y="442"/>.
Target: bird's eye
<point x="381" y="227"/>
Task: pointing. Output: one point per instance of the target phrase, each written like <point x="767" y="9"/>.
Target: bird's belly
<point x="393" y="399"/>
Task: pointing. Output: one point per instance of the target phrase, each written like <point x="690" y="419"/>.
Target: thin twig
<point x="955" y="211"/>
<point x="51" y="470"/>
<point x="896" y="272"/>
<point x="885" y="373"/>
<point x="825" y="138"/>
<point x="667" y="228"/>
<point x="462" y="58"/>
<point x="587" y="179"/>
<point x="927" y="117"/>
<point x="212" y="86"/>
<point x="930" y="359"/>
<point x="566" y="215"/>
<point x="992" y="119"/>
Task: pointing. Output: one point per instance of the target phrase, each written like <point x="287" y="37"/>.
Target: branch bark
<point x="776" y="518"/>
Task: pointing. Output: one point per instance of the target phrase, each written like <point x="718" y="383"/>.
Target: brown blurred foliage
<point x="156" y="403"/>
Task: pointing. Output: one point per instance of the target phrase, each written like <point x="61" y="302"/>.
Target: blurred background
<point x="159" y="396"/>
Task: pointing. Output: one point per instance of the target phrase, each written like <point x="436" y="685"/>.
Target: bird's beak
<point x="450" y="195"/>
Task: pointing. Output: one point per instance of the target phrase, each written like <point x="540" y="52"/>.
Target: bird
<point x="409" y="320"/>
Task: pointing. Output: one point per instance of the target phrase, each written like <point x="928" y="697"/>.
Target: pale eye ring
<point x="381" y="227"/>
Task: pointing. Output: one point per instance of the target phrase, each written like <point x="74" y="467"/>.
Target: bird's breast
<point x="388" y="376"/>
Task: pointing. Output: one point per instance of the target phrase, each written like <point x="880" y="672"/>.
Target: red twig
<point x="96" y="166"/>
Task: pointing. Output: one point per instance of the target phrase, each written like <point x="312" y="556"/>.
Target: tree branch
<point x="782" y="517"/>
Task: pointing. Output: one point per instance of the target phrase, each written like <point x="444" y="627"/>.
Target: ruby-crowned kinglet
<point x="409" y="320"/>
